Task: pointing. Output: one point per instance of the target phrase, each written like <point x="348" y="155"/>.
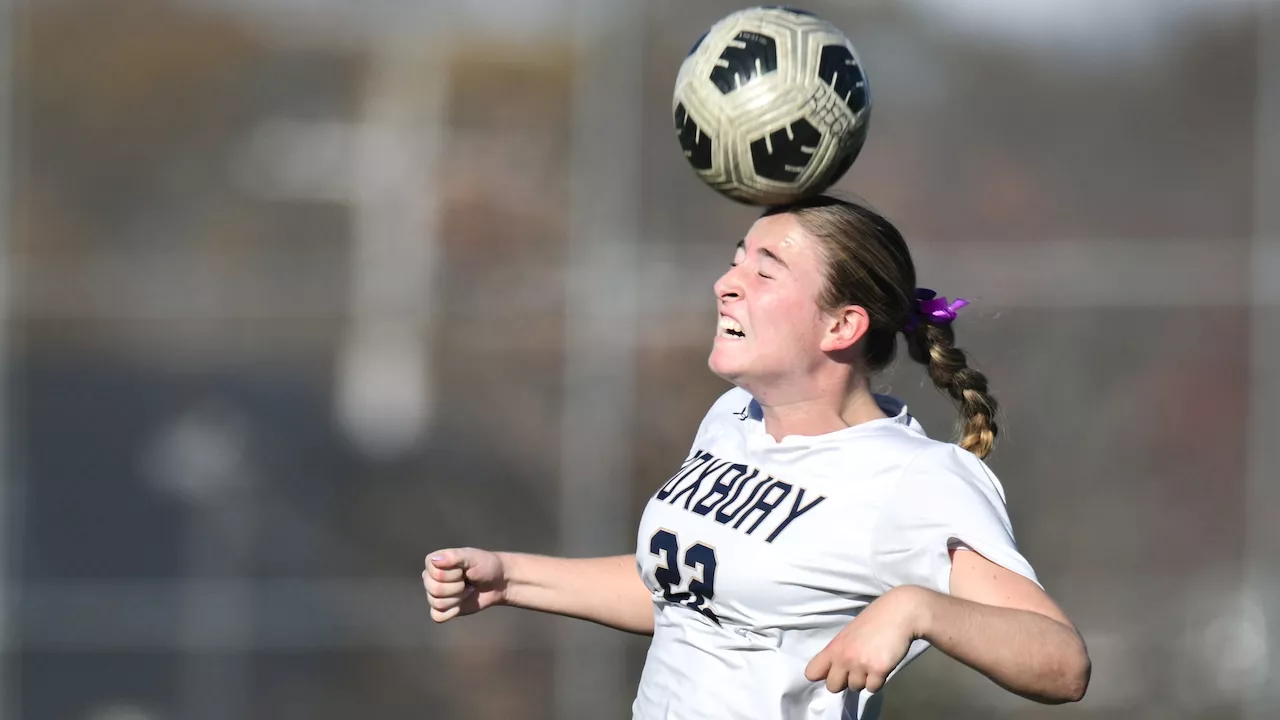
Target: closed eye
<point x="767" y="277"/>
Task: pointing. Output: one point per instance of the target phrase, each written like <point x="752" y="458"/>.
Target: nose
<point x="728" y="287"/>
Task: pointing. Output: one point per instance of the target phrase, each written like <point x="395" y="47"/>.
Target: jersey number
<point x="699" y="558"/>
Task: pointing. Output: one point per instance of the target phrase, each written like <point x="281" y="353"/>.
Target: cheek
<point x="796" y="325"/>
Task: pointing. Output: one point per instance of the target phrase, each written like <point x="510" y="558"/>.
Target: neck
<point x="820" y="412"/>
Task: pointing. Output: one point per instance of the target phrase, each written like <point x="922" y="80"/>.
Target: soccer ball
<point x="771" y="105"/>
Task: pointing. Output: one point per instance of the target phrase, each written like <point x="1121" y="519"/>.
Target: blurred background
<point x="297" y="291"/>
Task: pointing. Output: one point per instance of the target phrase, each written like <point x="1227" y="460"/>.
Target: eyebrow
<point x="742" y="245"/>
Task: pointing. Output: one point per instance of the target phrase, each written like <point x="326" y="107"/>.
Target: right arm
<point x="605" y="590"/>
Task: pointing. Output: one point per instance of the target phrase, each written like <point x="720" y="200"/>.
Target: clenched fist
<point x="867" y="650"/>
<point x="463" y="581"/>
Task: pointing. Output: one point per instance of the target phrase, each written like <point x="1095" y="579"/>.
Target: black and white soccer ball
<point x="771" y="105"/>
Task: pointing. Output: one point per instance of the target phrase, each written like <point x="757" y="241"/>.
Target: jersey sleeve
<point x="947" y="498"/>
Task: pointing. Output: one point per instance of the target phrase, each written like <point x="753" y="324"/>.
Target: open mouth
<point x="729" y="328"/>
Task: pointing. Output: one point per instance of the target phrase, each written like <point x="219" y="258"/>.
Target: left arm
<point x="980" y="606"/>
<point x="995" y="621"/>
<point x="1005" y="627"/>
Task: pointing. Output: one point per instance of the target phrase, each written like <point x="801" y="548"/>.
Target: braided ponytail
<point x="934" y="347"/>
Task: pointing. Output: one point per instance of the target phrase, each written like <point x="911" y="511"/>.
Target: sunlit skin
<point x="799" y="361"/>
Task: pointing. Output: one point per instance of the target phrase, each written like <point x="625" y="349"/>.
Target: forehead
<point x="774" y="228"/>
<point x="784" y="236"/>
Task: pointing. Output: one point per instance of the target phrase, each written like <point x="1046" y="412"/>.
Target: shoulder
<point x="939" y="465"/>
<point x="946" y="497"/>
<point x="944" y="485"/>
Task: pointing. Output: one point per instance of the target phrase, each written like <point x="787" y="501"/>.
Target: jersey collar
<point x="895" y="409"/>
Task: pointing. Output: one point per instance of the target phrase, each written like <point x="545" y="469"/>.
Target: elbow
<point x="1073" y="680"/>
<point x="1079" y="683"/>
<point x="1074" y="687"/>
<point x="1064" y="680"/>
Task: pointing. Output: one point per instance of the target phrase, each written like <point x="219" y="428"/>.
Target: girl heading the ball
<point x="814" y="540"/>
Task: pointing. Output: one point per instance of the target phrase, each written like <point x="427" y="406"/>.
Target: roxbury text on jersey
<point x="715" y="488"/>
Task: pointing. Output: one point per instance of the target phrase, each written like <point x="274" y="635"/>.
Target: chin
<point x="721" y="365"/>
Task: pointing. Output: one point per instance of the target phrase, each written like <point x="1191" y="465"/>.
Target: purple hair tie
<point x="932" y="310"/>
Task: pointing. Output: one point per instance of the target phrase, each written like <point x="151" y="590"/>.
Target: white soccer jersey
<point x="758" y="552"/>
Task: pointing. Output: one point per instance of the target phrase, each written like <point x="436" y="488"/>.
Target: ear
<point x="845" y="327"/>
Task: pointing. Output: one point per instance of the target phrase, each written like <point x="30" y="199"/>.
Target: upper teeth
<point x="728" y="324"/>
